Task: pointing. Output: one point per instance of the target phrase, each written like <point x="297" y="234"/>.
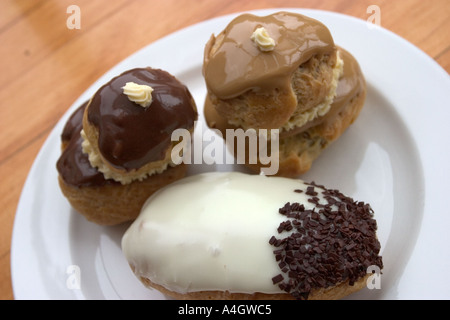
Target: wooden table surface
<point x="45" y="66"/>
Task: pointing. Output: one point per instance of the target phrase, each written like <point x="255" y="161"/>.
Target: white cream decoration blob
<point x="138" y="93"/>
<point x="263" y="40"/>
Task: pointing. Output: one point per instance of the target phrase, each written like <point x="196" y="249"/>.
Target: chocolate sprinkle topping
<point x="333" y="243"/>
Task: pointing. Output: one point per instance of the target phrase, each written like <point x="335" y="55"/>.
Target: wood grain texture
<point x="45" y="66"/>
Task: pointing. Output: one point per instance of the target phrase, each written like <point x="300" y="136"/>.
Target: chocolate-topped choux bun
<point x="284" y="72"/>
<point x="116" y="147"/>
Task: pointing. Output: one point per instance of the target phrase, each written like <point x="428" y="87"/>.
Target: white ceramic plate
<point x="393" y="157"/>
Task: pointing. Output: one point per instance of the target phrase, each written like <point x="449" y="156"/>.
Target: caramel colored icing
<point x="351" y="83"/>
<point x="233" y="63"/>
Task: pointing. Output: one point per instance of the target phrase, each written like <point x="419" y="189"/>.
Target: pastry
<point x="299" y="147"/>
<point x="240" y="236"/>
<point x="254" y="87"/>
<point x="291" y="86"/>
<point x="116" y="146"/>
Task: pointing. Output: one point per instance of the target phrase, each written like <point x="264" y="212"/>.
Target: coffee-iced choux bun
<point x="278" y="71"/>
<point x="284" y="72"/>
<point x="299" y="147"/>
<point x="116" y="147"/>
<point x="241" y="236"/>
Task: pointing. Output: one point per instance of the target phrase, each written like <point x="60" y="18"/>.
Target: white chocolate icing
<point x="263" y="40"/>
<point x="211" y="232"/>
<point x="138" y="93"/>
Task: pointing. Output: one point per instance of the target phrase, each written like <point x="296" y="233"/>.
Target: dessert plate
<point x="389" y="158"/>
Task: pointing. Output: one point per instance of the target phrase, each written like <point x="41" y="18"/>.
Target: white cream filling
<point x="138" y="93"/>
<point x="96" y="161"/>
<point x="263" y="40"/>
<point x="321" y="109"/>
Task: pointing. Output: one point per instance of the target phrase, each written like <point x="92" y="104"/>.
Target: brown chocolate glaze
<point x="233" y="64"/>
<point x="131" y="136"/>
<point x="73" y="165"/>
<point x="74" y="125"/>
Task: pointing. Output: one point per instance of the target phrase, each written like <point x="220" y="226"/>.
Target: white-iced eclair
<point x="239" y="236"/>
